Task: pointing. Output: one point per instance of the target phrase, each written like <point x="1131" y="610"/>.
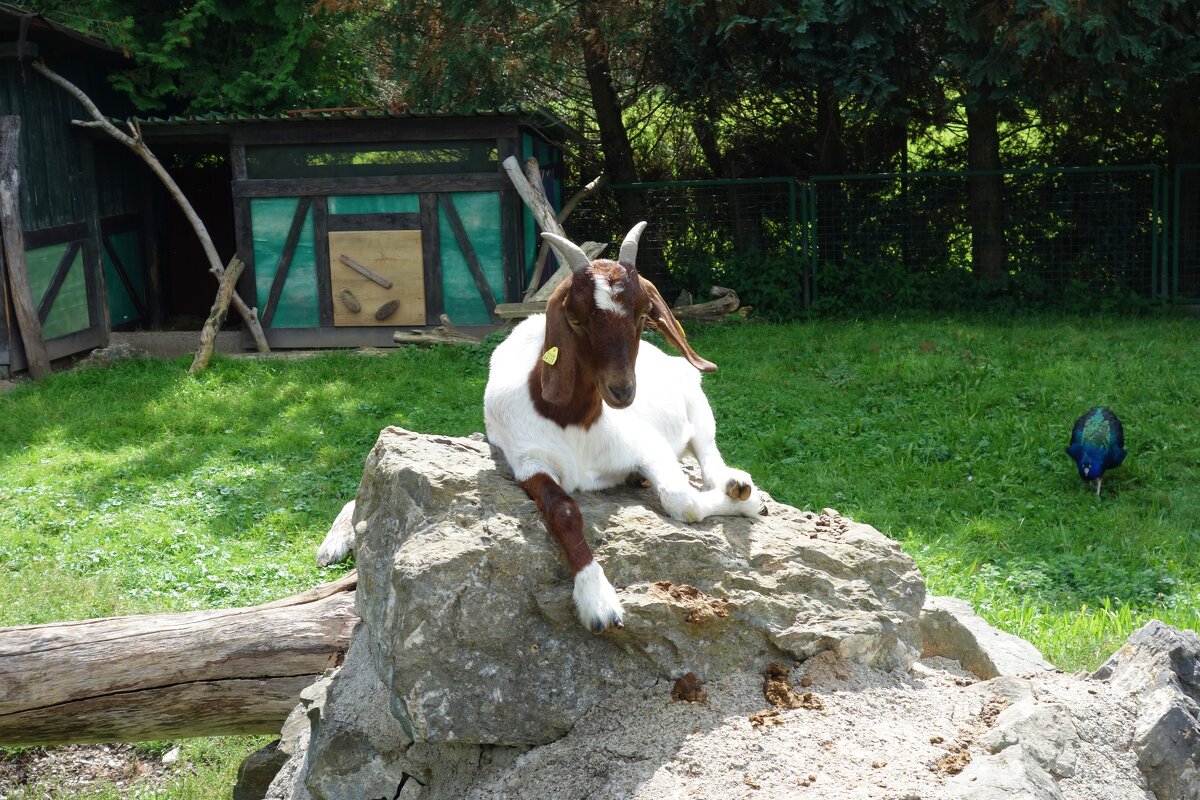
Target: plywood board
<point x="395" y="256"/>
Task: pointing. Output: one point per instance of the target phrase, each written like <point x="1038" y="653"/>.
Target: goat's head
<point x="595" y="320"/>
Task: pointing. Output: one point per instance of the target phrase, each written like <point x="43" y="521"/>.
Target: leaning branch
<point x="135" y="143"/>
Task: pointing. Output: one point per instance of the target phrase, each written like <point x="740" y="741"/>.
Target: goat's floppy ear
<point x="666" y="324"/>
<point x="558" y="353"/>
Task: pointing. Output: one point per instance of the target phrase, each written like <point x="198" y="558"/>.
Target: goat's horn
<point x="569" y="252"/>
<point x="629" y="247"/>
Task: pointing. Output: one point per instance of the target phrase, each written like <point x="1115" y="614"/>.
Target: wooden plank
<point x="36" y="240"/>
<point x="321" y="217"/>
<point x="393" y="255"/>
<point x="378" y="336"/>
<point x="14" y="248"/>
<point x="56" y="281"/>
<point x="285" y="260"/>
<point x="123" y="276"/>
<point x="380" y="184"/>
<point x="520" y="310"/>
<point x="365" y="271"/>
<point x="469" y="255"/>
<point x="431" y="249"/>
<point x="375" y="222"/>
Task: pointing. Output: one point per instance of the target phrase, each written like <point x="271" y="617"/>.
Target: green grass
<point x="137" y="488"/>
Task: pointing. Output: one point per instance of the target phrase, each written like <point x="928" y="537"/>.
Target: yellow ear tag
<point x="682" y="332"/>
<point x="550" y="356"/>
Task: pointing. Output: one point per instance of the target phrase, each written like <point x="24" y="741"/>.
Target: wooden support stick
<point x="216" y="317"/>
<point x="135" y="143"/>
<point x="163" y="676"/>
<point x="568" y="207"/>
<point x="36" y="355"/>
<point x="364" y="271"/>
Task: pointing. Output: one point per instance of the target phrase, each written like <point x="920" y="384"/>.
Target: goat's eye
<point x="574" y="323"/>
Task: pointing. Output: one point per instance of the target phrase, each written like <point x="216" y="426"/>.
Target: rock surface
<point x="467" y="599"/>
<point x="472" y="678"/>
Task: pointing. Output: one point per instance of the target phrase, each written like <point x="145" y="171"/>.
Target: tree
<point x="227" y="56"/>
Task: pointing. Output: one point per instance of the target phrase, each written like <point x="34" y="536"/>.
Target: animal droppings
<point x="350" y="301"/>
<point x="387" y="309"/>
<point x="687" y="689"/>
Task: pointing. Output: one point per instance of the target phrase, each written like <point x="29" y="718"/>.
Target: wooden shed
<point x="356" y="223"/>
<point x="81" y="199"/>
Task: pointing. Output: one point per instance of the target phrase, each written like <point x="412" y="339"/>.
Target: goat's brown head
<point x="594" y="322"/>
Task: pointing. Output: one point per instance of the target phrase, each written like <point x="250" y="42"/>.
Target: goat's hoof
<point x="762" y="512"/>
<point x="596" y="600"/>
<point x="738" y="489"/>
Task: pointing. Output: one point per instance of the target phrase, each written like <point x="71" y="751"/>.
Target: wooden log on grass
<point x="162" y="676"/>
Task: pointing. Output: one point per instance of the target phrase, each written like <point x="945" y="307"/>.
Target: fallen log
<point x="162" y="676"/>
<point x="727" y="302"/>
<point x="445" y="333"/>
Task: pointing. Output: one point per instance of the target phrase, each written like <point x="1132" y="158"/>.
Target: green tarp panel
<point x="271" y="219"/>
<point x="69" y="312"/>
<point x="121" y="307"/>
<point x="480" y="215"/>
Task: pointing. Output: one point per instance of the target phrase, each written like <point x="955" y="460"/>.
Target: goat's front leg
<point x="687" y="503"/>
<point x="734" y="482"/>
<point x="595" y="599"/>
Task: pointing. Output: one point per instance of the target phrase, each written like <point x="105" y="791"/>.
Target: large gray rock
<point x="1160" y="667"/>
<point x="467" y="600"/>
<point x="471" y="677"/>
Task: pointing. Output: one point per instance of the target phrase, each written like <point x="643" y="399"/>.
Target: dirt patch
<point x="687" y="689"/>
<point x="779" y="693"/>
<point x="76" y="767"/>
<point x="701" y="608"/>
<point x="954" y="761"/>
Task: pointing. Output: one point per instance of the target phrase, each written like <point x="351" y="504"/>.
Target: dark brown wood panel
<point x="321" y="218"/>
<point x="383" y="184"/>
<point x="375" y="222"/>
<point x="48" y="236"/>
<point x="431" y="250"/>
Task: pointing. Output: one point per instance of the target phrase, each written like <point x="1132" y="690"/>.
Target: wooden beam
<point x="14" y="249"/>
<point x="163" y="676"/>
<point x="379" y="184"/>
<point x="431" y="256"/>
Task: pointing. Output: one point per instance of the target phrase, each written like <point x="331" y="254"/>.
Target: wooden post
<point x="163" y="676"/>
<point x="36" y="354"/>
<point x="216" y="317"/>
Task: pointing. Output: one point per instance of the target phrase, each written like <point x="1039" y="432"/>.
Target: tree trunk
<point x="614" y="138"/>
<point x="989" y="252"/>
<point x="831" y="148"/>
<point x="201" y="673"/>
<point x="11" y="230"/>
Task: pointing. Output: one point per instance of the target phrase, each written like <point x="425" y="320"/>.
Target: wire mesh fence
<point x="1064" y="232"/>
<point x="742" y="234"/>
<point x="1066" y="237"/>
<point x="1185" y="233"/>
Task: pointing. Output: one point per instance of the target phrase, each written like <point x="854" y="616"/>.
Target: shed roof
<point x="19" y="25"/>
<point x="216" y="127"/>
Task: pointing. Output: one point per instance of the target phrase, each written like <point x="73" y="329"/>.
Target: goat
<point x="576" y="401"/>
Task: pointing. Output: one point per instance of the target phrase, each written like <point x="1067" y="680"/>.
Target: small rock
<point x="170" y="757"/>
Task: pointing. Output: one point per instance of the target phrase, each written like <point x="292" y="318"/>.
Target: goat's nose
<point x="622" y="393"/>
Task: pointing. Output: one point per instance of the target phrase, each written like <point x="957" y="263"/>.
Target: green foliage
<point x="229" y="56"/>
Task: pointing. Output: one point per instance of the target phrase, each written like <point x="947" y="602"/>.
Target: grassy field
<point x="137" y="488"/>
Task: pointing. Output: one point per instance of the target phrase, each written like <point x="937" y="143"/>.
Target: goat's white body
<point x="669" y="417"/>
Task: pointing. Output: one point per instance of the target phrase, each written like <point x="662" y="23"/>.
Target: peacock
<point x="1097" y="444"/>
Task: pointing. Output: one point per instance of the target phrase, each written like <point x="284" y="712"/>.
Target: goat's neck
<point x="585" y="405"/>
